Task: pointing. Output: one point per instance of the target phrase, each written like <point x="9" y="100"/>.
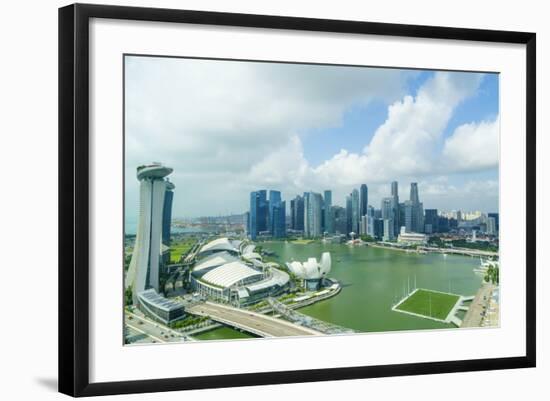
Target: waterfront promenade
<point x="252" y="322"/>
<point x="477" y="309"/>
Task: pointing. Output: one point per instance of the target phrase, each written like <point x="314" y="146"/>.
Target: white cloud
<point x="229" y="127"/>
<point x="473" y="146"/>
<point x="209" y="119"/>
<point x="406" y="143"/>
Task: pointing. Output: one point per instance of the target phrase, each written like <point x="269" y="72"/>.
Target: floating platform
<point x="429" y="304"/>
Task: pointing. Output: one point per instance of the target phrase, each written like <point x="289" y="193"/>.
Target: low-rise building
<point x="405" y="237"/>
<point x="159" y="308"/>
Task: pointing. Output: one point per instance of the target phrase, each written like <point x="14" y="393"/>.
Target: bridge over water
<point x="252" y="322"/>
<point x="305" y="320"/>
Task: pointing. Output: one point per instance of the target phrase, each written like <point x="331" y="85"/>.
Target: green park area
<point x="178" y="248"/>
<point x="303" y="241"/>
<point x="429" y="303"/>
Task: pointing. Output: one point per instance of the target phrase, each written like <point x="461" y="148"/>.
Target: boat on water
<point x="484" y="266"/>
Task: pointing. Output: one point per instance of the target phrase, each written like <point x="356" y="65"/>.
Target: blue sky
<point x="229" y="127"/>
<point x="359" y="122"/>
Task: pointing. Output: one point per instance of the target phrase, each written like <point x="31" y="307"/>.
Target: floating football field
<point x="429" y="304"/>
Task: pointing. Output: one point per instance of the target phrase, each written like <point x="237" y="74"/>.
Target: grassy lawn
<point x="428" y="303"/>
<point x="179" y="248"/>
<point x="302" y="241"/>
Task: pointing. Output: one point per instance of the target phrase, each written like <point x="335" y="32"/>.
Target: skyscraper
<point x="414" y="193"/>
<point x="348" y="215"/>
<point x="387" y="208"/>
<point x="313" y="204"/>
<point x="292" y="214"/>
<point x="363" y="200"/>
<point x="259" y="213"/>
<point x="395" y="207"/>
<point x="495" y="216"/>
<point x="394" y="189"/>
<point x="339" y="219"/>
<point x="167" y="213"/>
<point x="408" y="212"/>
<point x="388" y="230"/>
<point x="388" y="217"/>
<point x="253" y="217"/>
<point x="417" y="211"/>
<point x="297" y="213"/>
<point x="431" y="221"/>
<point x="277" y="215"/>
<point x="143" y="272"/>
<point x="329" y="218"/>
<point x="355" y="218"/>
<point x="491" y="226"/>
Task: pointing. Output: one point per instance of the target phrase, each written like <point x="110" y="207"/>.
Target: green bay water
<point x="373" y="280"/>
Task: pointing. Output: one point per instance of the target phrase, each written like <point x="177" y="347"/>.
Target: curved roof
<point x="252" y="255"/>
<point x="249" y="248"/>
<point x="151" y="297"/>
<point x="220" y="244"/>
<point x="230" y="273"/>
<point x="214" y="260"/>
<point x="278" y="278"/>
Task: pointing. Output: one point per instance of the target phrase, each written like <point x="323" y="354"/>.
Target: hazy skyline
<point x="228" y="128"/>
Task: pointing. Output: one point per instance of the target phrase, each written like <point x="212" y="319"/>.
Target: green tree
<point x="128" y="296"/>
<point x="492" y="274"/>
<point x="367" y="238"/>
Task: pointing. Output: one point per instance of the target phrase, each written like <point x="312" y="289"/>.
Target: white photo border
<point x="110" y="361"/>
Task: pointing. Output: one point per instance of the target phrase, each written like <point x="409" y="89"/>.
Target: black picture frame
<point x="74" y="198"/>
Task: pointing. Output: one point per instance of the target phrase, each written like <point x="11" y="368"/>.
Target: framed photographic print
<point x="310" y="199"/>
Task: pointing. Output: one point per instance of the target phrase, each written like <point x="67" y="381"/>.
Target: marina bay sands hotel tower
<point x="143" y="272"/>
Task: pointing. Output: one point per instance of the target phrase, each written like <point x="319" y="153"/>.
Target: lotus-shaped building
<point x="311" y="271"/>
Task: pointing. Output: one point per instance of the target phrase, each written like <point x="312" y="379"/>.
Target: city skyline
<point x="376" y="205"/>
<point x="310" y="128"/>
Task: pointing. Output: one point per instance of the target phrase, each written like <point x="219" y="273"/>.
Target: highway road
<point x="155" y="332"/>
<point x="262" y="325"/>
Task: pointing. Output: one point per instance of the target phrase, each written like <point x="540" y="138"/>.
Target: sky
<point x="231" y="127"/>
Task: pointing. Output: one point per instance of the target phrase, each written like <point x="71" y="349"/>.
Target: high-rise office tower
<point x="495" y="216"/>
<point x="388" y="216"/>
<point x="259" y="213"/>
<point x="363" y="200"/>
<point x="431" y="221"/>
<point x="378" y="228"/>
<point x="414" y="193"/>
<point x="143" y="272"/>
<point x="417" y="212"/>
<point x="386" y="207"/>
<point x="389" y="235"/>
<point x="246" y="222"/>
<point x="370" y="211"/>
<point x="395" y="189"/>
<point x="313" y="205"/>
<point x="277" y="215"/>
<point x="355" y="218"/>
<point x="293" y="214"/>
<point x="348" y="215"/>
<point x="339" y="219"/>
<point x="395" y="206"/>
<point x="408" y="212"/>
<point x="329" y="218"/>
<point x="253" y="217"/>
<point x="297" y="213"/>
<point x="491" y="226"/>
